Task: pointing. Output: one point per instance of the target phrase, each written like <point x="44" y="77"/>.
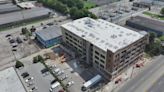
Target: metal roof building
<point x="146" y="24"/>
<point x="10" y="82"/>
<point x="14" y="18"/>
<point x="49" y="36"/>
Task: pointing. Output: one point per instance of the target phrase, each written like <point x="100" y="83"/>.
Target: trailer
<point x="91" y="82"/>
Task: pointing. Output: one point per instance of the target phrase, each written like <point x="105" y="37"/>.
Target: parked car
<point x="29" y="79"/>
<point x="14" y="45"/>
<point x="70" y="83"/>
<point x="60" y="73"/>
<point x="52" y="82"/>
<point x="44" y="70"/>
<point x="50" y="24"/>
<point x="8" y="35"/>
<point x="53" y="67"/>
<point x="64" y="77"/>
<point x="32" y="89"/>
<point x="56" y="70"/>
<point x="53" y="86"/>
<point x="12" y="41"/>
<point x="14" y="49"/>
<point x="25" y="74"/>
<point x="18" y="39"/>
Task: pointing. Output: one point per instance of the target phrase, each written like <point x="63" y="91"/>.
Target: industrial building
<point x="10" y="82"/>
<point x="14" y="18"/>
<point x="106" y="46"/>
<point x="146" y="24"/>
<point x="49" y="36"/>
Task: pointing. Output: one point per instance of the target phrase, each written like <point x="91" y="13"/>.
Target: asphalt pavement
<point x="146" y="78"/>
<point x="158" y="86"/>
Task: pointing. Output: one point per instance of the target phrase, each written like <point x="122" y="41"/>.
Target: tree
<point x="60" y="7"/>
<point x="19" y="64"/>
<point x="35" y="60"/>
<point x="24" y="30"/>
<point x="79" y="4"/>
<point x="162" y="11"/>
<point x="40" y="58"/>
<point x="71" y="3"/>
<point x="152" y="37"/>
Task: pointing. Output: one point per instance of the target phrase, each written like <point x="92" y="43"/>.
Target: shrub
<point x="19" y="64"/>
<point x="35" y="60"/>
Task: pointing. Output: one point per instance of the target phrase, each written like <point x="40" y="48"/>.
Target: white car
<point x="60" y="72"/>
<point x="70" y="83"/>
<point x="56" y="70"/>
<point x="64" y="77"/>
<point x="28" y="79"/>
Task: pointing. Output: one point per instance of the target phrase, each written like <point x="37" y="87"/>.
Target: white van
<point x="55" y="85"/>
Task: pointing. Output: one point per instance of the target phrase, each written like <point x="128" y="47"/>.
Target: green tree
<point x="19" y="64"/>
<point x="79" y="4"/>
<point x="40" y="58"/>
<point x="35" y="60"/>
<point x="152" y="37"/>
<point x="60" y="7"/>
<point x="24" y="30"/>
<point x="162" y="11"/>
<point x="71" y="3"/>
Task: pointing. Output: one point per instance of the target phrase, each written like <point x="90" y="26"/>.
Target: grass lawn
<point x="154" y="15"/>
<point x="88" y="5"/>
<point x="161" y="38"/>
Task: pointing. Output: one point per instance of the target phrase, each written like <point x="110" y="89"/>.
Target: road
<point x="158" y="86"/>
<point x="146" y="78"/>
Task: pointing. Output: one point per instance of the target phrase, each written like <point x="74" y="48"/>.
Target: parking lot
<point x="37" y="80"/>
<point x="11" y="48"/>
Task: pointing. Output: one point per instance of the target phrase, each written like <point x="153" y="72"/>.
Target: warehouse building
<point x="108" y="47"/>
<point x="49" y="36"/>
<point x="146" y="24"/>
<point x="15" y="18"/>
<point x="10" y="82"/>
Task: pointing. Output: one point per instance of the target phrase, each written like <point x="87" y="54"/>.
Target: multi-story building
<point x="108" y="47"/>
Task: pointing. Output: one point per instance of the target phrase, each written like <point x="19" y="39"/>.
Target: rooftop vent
<point x="120" y="35"/>
<point x="113" y="36"/>
<point x="82" y="35"/>
<point x="91" y="35"/>
<point x="102" y="41"/>
<point x="97" y="38"/>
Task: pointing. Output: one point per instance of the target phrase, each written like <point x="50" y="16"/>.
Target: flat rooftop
<point x="103" y="34"/>
<point x="23" y="15"/>
<point x="148" y="23"/>
<point x="9" y="81"/>
<point x="49" y="33"/>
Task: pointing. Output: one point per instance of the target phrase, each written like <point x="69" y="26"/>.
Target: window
<point x="96" y="52"/>
<point x="101" y="66"/>
<point x="96" y="62"/>
<point x="102" y="61"/>
<point x="103" y="56"/>
<point x="97" y="57"/>
<point x="67" y="38"/>
<point x="66" y="33"/>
